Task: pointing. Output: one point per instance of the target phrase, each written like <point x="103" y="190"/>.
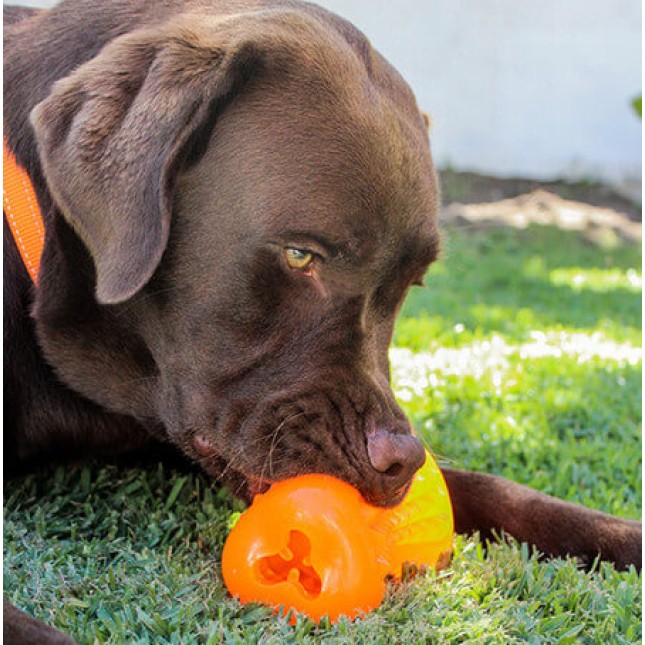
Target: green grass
<point x="114" y="554"/>
<point x="512" y="282"/>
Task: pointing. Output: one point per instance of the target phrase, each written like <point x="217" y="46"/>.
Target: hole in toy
<point x="292" y="564"/>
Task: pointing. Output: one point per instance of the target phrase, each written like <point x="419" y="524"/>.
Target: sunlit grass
<point x="601" y="280"/>
<point x="536" y="421"/>
<point x="414" y="372"/>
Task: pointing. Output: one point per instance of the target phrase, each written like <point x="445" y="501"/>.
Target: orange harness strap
<point x="22" y="212"/>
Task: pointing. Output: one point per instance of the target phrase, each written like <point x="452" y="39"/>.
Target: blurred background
<point x="538" y="89"/>
<point x="533" y="89"/>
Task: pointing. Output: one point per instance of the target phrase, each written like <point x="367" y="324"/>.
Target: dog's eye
<point x="298" y="259"/>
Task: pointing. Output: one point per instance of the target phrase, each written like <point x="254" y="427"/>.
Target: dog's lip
<point x="256" y="485"/>
<point x="387" y="501"/>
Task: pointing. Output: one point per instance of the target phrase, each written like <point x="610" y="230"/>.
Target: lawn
<point x="521" y="356"/>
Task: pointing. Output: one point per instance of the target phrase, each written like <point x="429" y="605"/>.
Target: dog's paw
<point x="626" y="546"/>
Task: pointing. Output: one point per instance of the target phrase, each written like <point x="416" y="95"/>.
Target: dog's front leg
<point x="491" y="504"/>
<point x="19" y="628"/>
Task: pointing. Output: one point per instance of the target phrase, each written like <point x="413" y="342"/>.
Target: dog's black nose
<point x="396" y="456"/>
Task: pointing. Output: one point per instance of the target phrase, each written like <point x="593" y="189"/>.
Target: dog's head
<point x="256" y="194"/>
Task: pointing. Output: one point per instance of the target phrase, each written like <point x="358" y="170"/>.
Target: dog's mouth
<point x="251" y="486"/>
<point x="241" y="484"/>
<point x="246" y="486"/>
<point x="387" y="501"/>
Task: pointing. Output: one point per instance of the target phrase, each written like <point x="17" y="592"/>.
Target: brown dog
<point x="237" y="196"/>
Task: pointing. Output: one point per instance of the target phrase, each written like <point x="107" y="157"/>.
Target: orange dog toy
<point x="313" y="544"/>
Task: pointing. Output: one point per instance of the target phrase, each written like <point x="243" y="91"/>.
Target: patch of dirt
<point x="470" y="188"/>
<point x="599" y="213"/>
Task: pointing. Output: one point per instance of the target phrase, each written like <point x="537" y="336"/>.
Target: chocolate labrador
<point x="237" y="195"/>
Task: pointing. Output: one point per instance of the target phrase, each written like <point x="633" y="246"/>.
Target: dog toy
<point x="313" y="544"/>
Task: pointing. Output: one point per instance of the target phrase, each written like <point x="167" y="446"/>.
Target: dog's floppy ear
<point x="110" y="137"/>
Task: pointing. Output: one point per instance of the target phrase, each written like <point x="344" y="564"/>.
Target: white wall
<point x="534" y="88"/>
<point x="537" y="88"/>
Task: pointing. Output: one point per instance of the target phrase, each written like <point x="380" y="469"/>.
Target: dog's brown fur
<point x="177" y="148"/>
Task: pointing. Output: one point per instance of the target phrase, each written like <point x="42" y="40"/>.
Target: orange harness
<point x="22" y="212"/>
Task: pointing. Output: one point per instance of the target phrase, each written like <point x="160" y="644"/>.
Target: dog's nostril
<point x="395" y="455"/>
<point x="394" y="470"/>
